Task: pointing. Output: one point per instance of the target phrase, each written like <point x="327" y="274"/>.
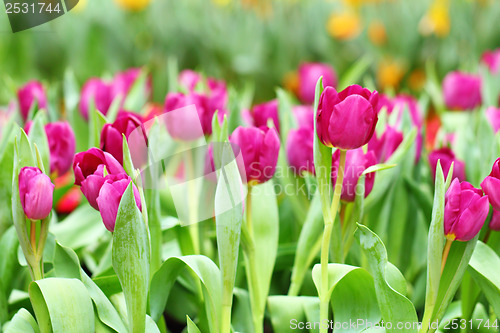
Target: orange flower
<point x="377" y="33"/>
<point x="291" y="82"/>
<point x="344" y="26"/>
<point x="389" y="74"/>
<point x="416" y="81"/>
<point x="133" y="5"/>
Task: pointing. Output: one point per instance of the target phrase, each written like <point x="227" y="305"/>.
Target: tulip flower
<point x="495" y="220"/>
<point x="493" y="115"/>
<point x="299" y="149"/>
<point x="98" y="92"/>
<point x="304" y="114"/>
<point x="491" y="185"/>
<point x="189" y="79"/>
<point x="356" y="162"/>
<point x="446" y="157"/>
<point x="36" y="193"/>
<point x="88" y="167"/>
<point x="385" y="102"/>
<point x="309" y="73"/>
<point x="347" y="120"/>
<point x="465" y="211"/>
<point x="62" y="145"/>
<point x="261" y="113"/>
<point x="259" y="147"/>
<point x="406" y="102"/>
<point x="492" y="60"/>
<point x="131" y="125"/>
<point x="462" y="91"/>
<point x="124" y="81"/>
<point x="30" y="93"/>
<point x="110" y="195"/>
<point x="385" y="146"/>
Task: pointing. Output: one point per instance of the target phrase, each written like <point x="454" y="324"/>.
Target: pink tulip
<point x="124" y="81"/>
<point x="309" y="73"/>
<point x="404" y="102"/>
<point x="299" y="149"/>
<point x="31" y="92"/>
<point x="62" y="146"/>
<point x="386" y="145"/>
<point x="495" y="220"/>
<point x="492" y="60"/>
<point x="99" y="93"/>
<point x="462" y="91"/>
<point x="446" y="156"/>
<point x="36" y="193"/>
<point x="347" y="120"/>
<point x="264" y="112"/>
<point x="493" y="115"/>
<point x="465" y="211"/>
<point x="304" y="114"/>
<point x="491" y="185"/>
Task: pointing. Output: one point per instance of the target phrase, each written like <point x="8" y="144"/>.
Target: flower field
<point x="252" y="166"/>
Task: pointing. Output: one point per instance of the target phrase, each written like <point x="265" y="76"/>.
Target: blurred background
<point x="257" y="41"/>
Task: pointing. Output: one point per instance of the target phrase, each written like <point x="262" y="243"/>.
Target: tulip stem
<point x="487" y="236"/>
<point x="446" y="251"/>
<point x="33" y="236"/>
<point x="325" y="247"/>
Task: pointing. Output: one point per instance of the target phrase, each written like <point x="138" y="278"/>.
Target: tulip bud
<point x="406" y="102"/>
<point x="492" y="60"/>
<point x="261" y="113"/>
<point x="465" y="211"/>
<point x="309" y="73"/>
<point x="491" y="185"/>
<point x="462" y="91"/>
<point x="495" y="220"/>
<point x="493" y="115"/>
<point x="299" y="149"/>
<point x="36" y="193"/>
<point x="88" y="167"/>
<point x="446" y="157"/>
<point x="97" y="91"/>
<point x="259" y="147"/>
<point x="385" y="146"/>
<point x="124" y="81"/>
<point x="347" y="120"/>
<point x="355" y="164"/>
<point x="110" y="195"/>
<point x="131" y="125"/>
<point x="62" y="145"/>
<point x="304" y="114"/>
<point x="30" y="93"/>
<point x="189" y="80"/>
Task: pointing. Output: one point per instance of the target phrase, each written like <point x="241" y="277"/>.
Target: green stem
<point x="226" y="318"/>
<point x="446" y="251"/>
<point x="35" y="262"/>
<point x="325" y="246"/>
<point x="194" y="229"/>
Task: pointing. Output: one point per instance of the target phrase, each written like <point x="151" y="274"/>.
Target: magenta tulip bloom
<point x="299" y="149"/>
<point x="259" y="147"/>
<point x="189" y="79"/>
<point x="356" y="162"/>
<point x="304" y="114"/>
<point x="31" y="92"/>
<point x="406" y="102"/>
<point x="492" y="60"/>
<point x="36" y="192"/>
<point x="110" y="195"/>
<point x="495" y="220"/>
<point x="491" y="185"/>
<point x="98" y="92"/>
<point x="309" y="73"/>
<point x="465" y="211"/>
<point x="446" y="156"/>
<point x="89" y="167"/>
<point x="261" y="113"/>
<point x="493" y="115"/>
<point x="131" y="125"/>
<point x="124" y="81"/>
<point x="385" y="102"/>
<point x="386" y="145"/>
<point x="61" y="145"/>
<point x="462" y="91"/>
<point x="347" y="120"/>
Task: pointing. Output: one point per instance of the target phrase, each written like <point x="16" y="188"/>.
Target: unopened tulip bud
<point x="36" y="193"/>
<point x="30" y="93"/>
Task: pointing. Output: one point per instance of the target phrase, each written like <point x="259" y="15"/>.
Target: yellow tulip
<point x="133" y="5"/>
<point x="389" y="74"/>
<point x="437" y="19"/>
<point x="377" y="33"/>
<point x="344" y="26"/>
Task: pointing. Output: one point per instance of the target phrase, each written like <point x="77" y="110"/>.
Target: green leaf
<point x="138" y="94"/>
<point x="394" y="306"/>
<point x="22" y="322"/>
<point x="191" y="326"/>
<point x="287" y="311"/>
<point x="352" y="294"/>
<point x="355" y="72"/>
<point x="96" y="122"/>
<point x="287" y="120"/>
<point x="37" y="136"/>
<point x="207" y="272"/>
<point x="131" y="259"/>
<point x="62" y="305"/>
<point x="378" y="167"/>
<point x="9" y="244"/>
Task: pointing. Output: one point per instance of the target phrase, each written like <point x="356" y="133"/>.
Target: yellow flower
<point x="133" y="5"/>
<point x="377" y="33"/>
<point x="221" y="3"/>
<point x="437" y="20"/>
<point x="389" y="74"/>
<point x="80" y="6"/>
<point x="291" y="82"/>
<point x="344" y="26"/>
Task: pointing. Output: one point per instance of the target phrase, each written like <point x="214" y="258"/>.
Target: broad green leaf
<point x="352" y="294"/>
<point x="287" y="312"/>
<point x="191" y="326"/>
<point x="62" y="305"/>
<point x="131" y="255"/>
<point x="242" y="311"/>
<point x="207" y="272"/>
<point x="22" y="322"/>
<point x="394" y="306"/>
<point x="9" y="244"/>
<point x="96" y="122"/>
<point x="37" y="136"/>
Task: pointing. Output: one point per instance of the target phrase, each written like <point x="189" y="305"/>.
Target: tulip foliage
<point x="331" y="207"/>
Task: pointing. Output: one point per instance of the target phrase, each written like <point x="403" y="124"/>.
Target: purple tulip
<point x="131" y="125"/>
<point x="465" y="211"/>
<point x="36" y="193"/>
<point x="446" y="156"/>
<point x="261" y="113"/>
<point x="386" y="145"/>
<point x="462" y="91"/>
<point x="110" y="195"/>
<point x="61" y="145"/>
<point x="493" y="115"/>
<point x="356" y="162"/>
<point x="309" y="73"/>
<point x="259" y="147"/>
<point x="97" y="91"/>
<point x="299" y="149"/>
<point x="491" y="185"/>
<point x="347" y="120"/>
<point x="89" y="167"/>
<point x="495" y="220"/>
<point x="30" y="93"/>
<point x="492" y="60"/>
